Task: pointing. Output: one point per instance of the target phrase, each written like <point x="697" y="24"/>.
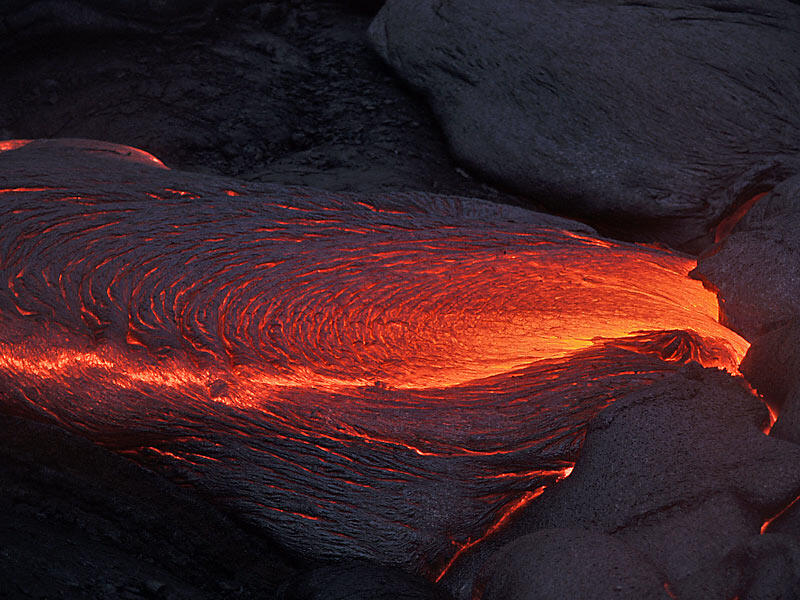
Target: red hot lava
<point x="385" y="378"/>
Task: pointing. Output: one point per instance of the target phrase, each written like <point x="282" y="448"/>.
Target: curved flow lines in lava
<point x="383" y="378"/>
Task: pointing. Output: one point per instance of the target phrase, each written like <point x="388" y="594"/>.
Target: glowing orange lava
<point x="310" y="358"/>
<point x="6" y="145"/>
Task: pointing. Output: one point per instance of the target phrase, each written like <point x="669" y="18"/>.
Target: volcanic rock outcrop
<point x="679" y="471"/>
<point x="571" y="563"/>
<point x="772" y="366"/>
<point x="286" y="92"/>
<point x="654" y="117"/>
<point x="756" y="268"/>
<point x="384" y="377"/>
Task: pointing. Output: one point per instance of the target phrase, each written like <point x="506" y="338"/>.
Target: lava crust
<point x="385" y="378"/>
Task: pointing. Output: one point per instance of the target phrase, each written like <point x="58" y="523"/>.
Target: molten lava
<point x="386" y="378"/>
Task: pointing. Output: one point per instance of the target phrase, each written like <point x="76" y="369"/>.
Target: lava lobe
<point x="385" y="377"/>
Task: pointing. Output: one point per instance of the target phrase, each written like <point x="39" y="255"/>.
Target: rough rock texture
<point x="553" y="564"/>
<point x="656" y="116"/>
<point x="358" y="581"/>
<point x="680" y="471"/>
<point x="286" y="92"/>
<point x="772" y="366"/>
<point x="77" y="521"/>
<point x="787" y="522"/>
<point x="757" y="268"/>
<point x="765" y="567"/>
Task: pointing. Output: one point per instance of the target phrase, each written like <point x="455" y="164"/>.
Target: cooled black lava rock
<point x="553" y="564"/>
<point x="78" y="521"/>
<point x="287" y="92"/>
<point x="772" y="366"/>
<point x="772" y="363"/>
<point x="757" y="268"/>
<point x="23" y="20"/>
<point x="358" y="581"/>
<point x="679" y="471"/>
<point x="787" y="522"/>
<point x="651" y="116"/>
<point x="765" y="567"/>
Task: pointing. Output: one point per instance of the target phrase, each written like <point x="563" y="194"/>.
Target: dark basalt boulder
<point x="772" y="366"/>
<point x="552" y="564"/>
<point x="756" y="269"/>
<point x="680" y="471"/>
<point x="22" y="21"/>
<point x="358" y="581"/>
<point x="653" y="117"/>
<point x="685" y="451"/>
<point x="766" y="567"/>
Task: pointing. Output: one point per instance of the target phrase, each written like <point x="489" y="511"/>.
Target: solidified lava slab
<point x="384" y="377"/>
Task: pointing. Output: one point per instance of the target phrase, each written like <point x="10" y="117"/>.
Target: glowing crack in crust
<point x="385" y="378"/>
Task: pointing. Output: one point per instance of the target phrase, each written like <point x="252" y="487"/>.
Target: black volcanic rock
<point x="23" y="21"/>
<point x="650" y="116"/>
<point x="787" y="522"/>
<point x="765" y="567"/>
<point x="757" y="267"/>
<point x="358" y="581"/>
<point x="772" y="363"/>
<point x="553" y="564"/>
<point x="78" y="521"/>
<point x="772" y="366"/>
<point x="286" y="92"/>
<point x="679" y="471"/>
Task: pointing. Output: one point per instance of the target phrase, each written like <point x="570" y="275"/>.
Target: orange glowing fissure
<point x="380" y="344"/>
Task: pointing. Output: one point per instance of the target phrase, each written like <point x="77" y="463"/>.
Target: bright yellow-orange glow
<point x="461" y="322"/>
<point x="6" y="145"/>
<point x="433" y="321"/>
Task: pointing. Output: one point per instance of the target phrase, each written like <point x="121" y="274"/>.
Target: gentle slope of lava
<point x="383" y="377"/>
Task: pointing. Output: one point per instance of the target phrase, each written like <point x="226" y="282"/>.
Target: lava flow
<point x="384" y="378"/>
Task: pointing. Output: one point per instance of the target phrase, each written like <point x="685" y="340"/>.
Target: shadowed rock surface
<point x="772" y="366"/>
<point x="679" y="471"/>
<point x="81" y="522"/>
<point x="286" y="92"/>
<point x="554" y="564"/>
<point x="757" y="268"/>
<point x="765" y="567"/>
<point x="653" y="117"/>
<point x="358" y="581"/>
<point x="26" y="21"/>
<point x="787" y="522"/>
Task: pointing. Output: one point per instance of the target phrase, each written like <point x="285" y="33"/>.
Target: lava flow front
<point x="382" y="378"/>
